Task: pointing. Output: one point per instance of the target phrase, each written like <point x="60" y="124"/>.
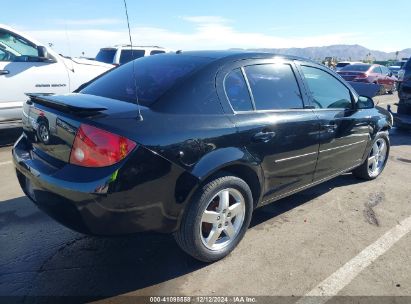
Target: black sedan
<point x="191" y="143"/>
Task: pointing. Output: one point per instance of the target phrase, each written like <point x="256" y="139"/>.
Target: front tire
<point x="217" y="218"/>
<point x="376" y="160"/>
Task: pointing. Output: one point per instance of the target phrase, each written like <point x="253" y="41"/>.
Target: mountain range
<point x="341" y="52"/>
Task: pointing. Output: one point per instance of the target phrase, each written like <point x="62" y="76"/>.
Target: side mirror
<point x="364" y="102"/>
<point x="44" y="55"/>
<point x="390" y="74"/>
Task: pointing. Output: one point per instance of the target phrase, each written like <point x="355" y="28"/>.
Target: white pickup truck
<point x="27" y="66"/>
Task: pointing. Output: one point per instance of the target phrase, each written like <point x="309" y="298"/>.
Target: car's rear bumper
<point x="109" y="201"/>
<point x="402" y="121"/>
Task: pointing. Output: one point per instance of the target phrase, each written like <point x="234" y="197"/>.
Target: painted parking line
<point x="9" y="162"/>
<point x="343" y="276"/>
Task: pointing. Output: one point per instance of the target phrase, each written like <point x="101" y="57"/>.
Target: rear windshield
<point x="154" y="75"/>
<point x="342" y="64"/>
<point x="356" y="67"/>
<point x="106" y="55"/>
<point x="128" y="55"/>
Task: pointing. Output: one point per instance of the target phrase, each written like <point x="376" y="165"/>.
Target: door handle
<point x="4" y="72"/>
<point x="263" y="136"/>
<point x="329" y="127"/>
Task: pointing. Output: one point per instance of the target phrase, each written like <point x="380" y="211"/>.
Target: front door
<point x="343" y="132"/>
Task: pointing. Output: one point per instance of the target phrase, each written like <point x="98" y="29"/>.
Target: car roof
<point x="239" y="55"/>
<point x="134" y="47"/>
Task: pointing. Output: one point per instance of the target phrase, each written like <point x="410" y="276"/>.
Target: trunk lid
<point x="350" y="75"/>
<point x="51" y="122"/>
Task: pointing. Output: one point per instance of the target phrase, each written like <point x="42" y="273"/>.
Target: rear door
<point x="344" y="131"/>
<point x="274" y="126"/>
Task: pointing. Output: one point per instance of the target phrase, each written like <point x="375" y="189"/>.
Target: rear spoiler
<point x="76" y="109"/>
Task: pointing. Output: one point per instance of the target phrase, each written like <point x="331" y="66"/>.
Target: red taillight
<point x="361" y="76"/>
<point x="94" y="147"/>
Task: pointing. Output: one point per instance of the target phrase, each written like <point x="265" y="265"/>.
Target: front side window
<point x="385" y="70"/>
<point x="6" y="56"/>
<point x="128" y="55"/>
<point x="327" y="92"/>
<point x="237" y="91"/>
<point x="274" y="86"/>
<point x="18" y="48"/>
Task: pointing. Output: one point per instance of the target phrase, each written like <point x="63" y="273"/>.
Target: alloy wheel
<point x="377" y="157"/>
<point x="222" y="219"/>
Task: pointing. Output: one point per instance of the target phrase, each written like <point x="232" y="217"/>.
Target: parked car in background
<point x="342" y="64"/>
<point x="370" y="73"/>
<point x="261" y="127"/>
<point x="402" y="118"/>
<point x="121" y="54"/>
<point x="394" y="69"/>
<point x="28" y="66"/>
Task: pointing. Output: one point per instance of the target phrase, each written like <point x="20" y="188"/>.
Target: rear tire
<point x="217" y="218"/>
<point x="376" y="160"/>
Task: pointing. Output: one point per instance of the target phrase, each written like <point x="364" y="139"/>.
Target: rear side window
<point x="342" y="64"/>
<point x="326" y="90"/>
<point x="106" y="55"/>
<point x="128" y="55"/>
<point x="377" y="70"/>
<point x="274" y="86"/>
<point x="237" y="91"/>
<point x="156" y="52"/>
<point x="153" y="76"/>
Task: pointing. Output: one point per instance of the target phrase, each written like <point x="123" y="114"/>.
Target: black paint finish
<point x="189" y="134"/>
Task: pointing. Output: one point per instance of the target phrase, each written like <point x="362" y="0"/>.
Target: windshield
<point x="356" y="67"/>
<point x="154" y="75"/>
<point x="106" y="55"/>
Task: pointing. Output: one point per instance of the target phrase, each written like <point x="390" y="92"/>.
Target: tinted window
<point x="376" y="69"/>
<point x="154" y="75"/>
<point x="106" y="55"/>
<point x="408" y="65"/>
<point x="274" y="86"/>
<point x="237" y="91"/>
<point x="156" y="52"/>
<point x="356" y="67"/>
<point x="342" y="64"/>
<point x="327" y="91"/>
<point x="128" y="55"/>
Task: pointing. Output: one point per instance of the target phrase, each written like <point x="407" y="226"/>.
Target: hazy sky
<point x="75" y="26"/>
